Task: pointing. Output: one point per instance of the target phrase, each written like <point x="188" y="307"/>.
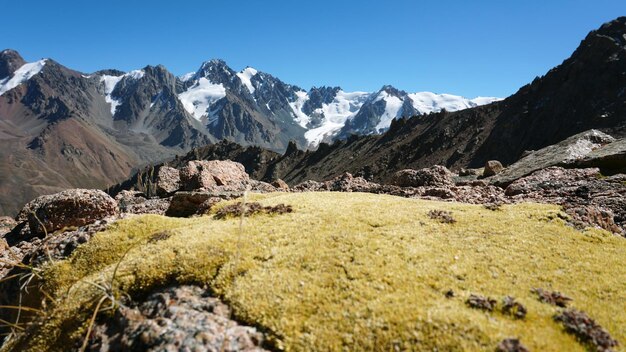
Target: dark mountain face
<point x="149" y="105"/>
<point x="586" y="91"/>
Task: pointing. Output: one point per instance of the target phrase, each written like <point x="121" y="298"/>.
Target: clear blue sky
<point x="461" y="47"/>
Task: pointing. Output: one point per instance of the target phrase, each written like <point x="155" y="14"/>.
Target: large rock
<point x="566" y="153"/>
<point x="435" y="176"/>
<point x="202" y="174"/>
<point x="70" y="208"/>
<point x="167" y="181"/>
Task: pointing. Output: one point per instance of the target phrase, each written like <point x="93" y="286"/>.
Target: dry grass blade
<point x="11" y="325"/>
<point x="91" y="323"/>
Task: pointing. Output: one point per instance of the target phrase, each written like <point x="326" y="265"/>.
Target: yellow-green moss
<point x="358" y="271"/>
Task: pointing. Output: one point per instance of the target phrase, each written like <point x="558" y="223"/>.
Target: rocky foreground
<point x="64" y="254"/>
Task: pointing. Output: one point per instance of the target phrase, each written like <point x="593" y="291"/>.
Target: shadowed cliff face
<point x="586" y="91"/>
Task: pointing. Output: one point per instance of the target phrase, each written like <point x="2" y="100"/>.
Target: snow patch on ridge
<point x="21" y="75"/>
<point x="109" y="86"/>
<point x="301" y="118"/>
<point x="484" y="100"/>
<point x="427" y="102"/>
<point x="199" y="97"/>
<point x="246" y="78"/>
<point x="343" y="107"/>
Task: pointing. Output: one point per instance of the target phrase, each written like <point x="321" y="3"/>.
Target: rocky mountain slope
<point x="60" y="128"/>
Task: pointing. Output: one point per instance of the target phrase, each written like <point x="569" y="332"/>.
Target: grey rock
<point x="307" y="186"/>
<point x="589" y="198"/>
<point x="134" y="202"/>
<point x="261" y="187"/>
<point x="61" y="245"/>
<point x="566" y="153"/>
<point x="469" y="172"/>
<point x="348" y="183"/>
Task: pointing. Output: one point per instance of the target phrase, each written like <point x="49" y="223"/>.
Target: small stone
<point x="586" y="329"/>
<point x="512" y="307"/>
<point x="481" y="302"/>
<point x="280" y="184"/>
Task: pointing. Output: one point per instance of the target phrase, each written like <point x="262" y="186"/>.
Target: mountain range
<point x="61" y="128"/>
<point x="587" y="91"/>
